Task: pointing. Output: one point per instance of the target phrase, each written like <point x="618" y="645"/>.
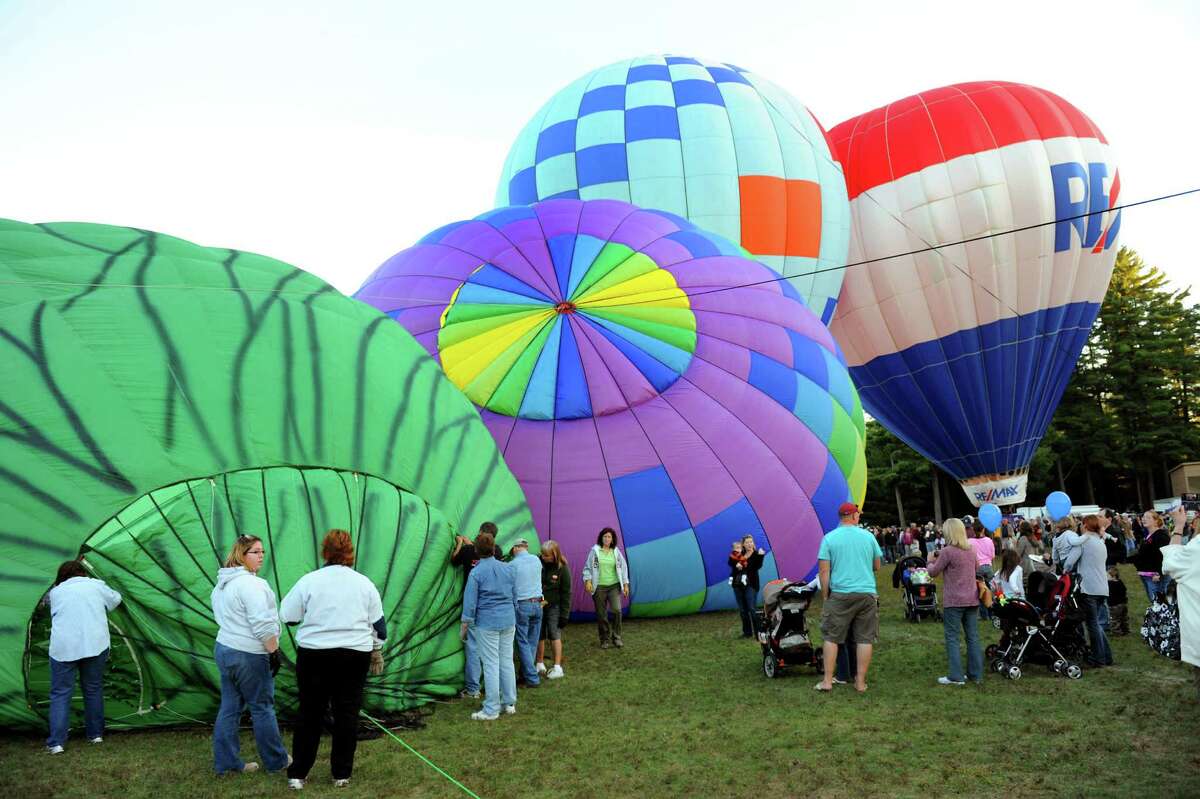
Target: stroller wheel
<point x="999" y="666"/>
<point x="1059" y="666"/>
<point x="770" y="665"/>
<point x="991" y="651"/>
<point x="1014" y="672"/>
<point x="996" y="622"/>
<point x="1073" y="671"/>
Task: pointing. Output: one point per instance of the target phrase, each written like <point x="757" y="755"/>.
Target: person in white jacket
<point x="606" y="578"/>
<point x="1182" y="564"/>
<point x="247" y="657"/>
<point x="338" y="642"/>
<point x="79" y="641"/>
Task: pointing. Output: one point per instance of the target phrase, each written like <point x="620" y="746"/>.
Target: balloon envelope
<point x="634" y="380"/>
<point x="711" y="142"/>
<point x="964" y="352"/>
<point x="161" y="398"/>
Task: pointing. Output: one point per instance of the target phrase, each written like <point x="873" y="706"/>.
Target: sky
<point x="333" y="135"/>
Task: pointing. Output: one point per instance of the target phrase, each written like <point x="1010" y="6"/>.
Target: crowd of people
<point x="1090" y="549"/>
<point x="514" y="609"/>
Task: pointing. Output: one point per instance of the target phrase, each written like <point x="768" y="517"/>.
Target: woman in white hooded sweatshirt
<point x="247" y="655"/>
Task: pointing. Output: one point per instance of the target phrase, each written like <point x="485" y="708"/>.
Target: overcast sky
<point x="332" y="135"/>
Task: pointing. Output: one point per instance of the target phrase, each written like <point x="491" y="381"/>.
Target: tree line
<point x="1130" y="413"/>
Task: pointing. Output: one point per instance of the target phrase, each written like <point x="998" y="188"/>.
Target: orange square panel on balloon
<point x="780" y="217"/>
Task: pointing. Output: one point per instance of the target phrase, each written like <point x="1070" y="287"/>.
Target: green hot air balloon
<point x="160" y="398"/>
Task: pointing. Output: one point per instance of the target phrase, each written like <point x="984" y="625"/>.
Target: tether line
<point x="424" y="759"/>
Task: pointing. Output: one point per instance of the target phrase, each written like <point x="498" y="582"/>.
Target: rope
<point x="424" y="759"/>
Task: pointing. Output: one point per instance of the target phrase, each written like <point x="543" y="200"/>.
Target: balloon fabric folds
<point x="711" y="142"/>
<point x="964" y="352"/>
<point x="160" y="399"/>
<point x="632" y="379"/>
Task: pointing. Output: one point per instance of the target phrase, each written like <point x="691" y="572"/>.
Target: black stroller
<point x="783" y="629"/>
<point x="1053" y="636"/>
<point x="920" y="599"/>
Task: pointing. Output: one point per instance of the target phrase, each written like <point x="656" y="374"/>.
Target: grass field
<point x="684" y="710"/>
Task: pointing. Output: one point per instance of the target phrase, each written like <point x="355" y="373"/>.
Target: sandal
<point x="821" y="687"/>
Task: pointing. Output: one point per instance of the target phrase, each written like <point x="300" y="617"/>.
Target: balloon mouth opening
<point x="161" y="550"/>
<point x="565" y="307"/>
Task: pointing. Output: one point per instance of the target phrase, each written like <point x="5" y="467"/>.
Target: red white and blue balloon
<point x="964" y="351"/>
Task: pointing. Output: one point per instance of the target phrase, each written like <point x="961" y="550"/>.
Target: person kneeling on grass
<point x="847" y="561"/>
<point x="556" y="606"/>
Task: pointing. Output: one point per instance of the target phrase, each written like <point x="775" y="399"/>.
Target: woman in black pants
<point x="744" y="563"/>
<point x="338" y="642"/>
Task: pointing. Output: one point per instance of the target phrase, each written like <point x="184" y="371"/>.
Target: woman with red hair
<point x="338" y="641"/>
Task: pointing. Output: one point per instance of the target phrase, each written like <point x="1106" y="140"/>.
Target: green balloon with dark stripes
<point x="160" y="398"/>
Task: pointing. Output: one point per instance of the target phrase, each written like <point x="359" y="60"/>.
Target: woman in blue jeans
<point x="247" y="655"/>
<point x="960" y="603"/>
<point x="744" y="564"/>
<point x="1148" y="560"/>
<point x="490" y="612"/>
<point x="79" y="641"/>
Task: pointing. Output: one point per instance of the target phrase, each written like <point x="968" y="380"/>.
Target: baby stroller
<point x="1052" y="636"/>
<point x="783" y="629"/>
<point x="920" y="592"/>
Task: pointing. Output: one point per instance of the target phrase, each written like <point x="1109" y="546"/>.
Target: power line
<point x="432" y="301"/>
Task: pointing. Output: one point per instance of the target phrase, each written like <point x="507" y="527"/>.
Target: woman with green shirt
<point x="606" y="578"/>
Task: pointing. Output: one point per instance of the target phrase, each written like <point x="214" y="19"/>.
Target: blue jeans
<point x="747" y="598"/>
<point x="62" y="687"/>
<point x="499" y="677"/>
<point x="1152" y="587"/>
<point x="529" y="632"/>
<point x="246" y="682"/>
<point x="1101" y="653"/>
<point x="473" y="667"/>
<point x="968" y="620"/>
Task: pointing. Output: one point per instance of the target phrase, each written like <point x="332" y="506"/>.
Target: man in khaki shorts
<point x="848" y="559"/>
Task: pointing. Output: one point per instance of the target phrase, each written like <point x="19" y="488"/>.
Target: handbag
<point x="985" y="593"/>
<point x="1160" y="628"/>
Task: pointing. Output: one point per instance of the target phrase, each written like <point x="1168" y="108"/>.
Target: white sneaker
<point x="479" y="715"/>
<point x="54" y="750"/>
<point x="541" y="668"/>
<point x="97" y="740"/>
<point x="342" y="783"/>
<point x="295" y="784"/>
<point x="250" y="767"/>
<point x="948" y="681"/>
<point x="510" y="710"/>
<point x="554" y="673"/>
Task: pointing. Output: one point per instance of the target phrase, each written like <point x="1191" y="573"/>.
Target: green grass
<point x="684" y="710"/>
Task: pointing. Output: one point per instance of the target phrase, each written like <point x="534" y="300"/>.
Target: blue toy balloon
<point x="989" y="516"/>
<point x="1058" y="505"/>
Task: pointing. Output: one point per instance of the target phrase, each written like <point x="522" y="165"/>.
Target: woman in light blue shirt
<point x="490" y="608"/>
<point x="79" y="641"/>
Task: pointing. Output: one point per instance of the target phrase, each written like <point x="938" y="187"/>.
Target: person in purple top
<point x="960" y="603"/>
